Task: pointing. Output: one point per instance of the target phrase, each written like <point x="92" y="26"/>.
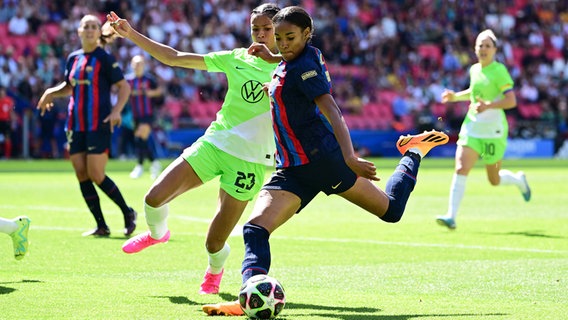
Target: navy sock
<point x="400" y="185"/>
<point x="93" y="202"/>
<point x="111" y="189"/>
<point x="140" y="149"/>
<point x="257" y="251"/>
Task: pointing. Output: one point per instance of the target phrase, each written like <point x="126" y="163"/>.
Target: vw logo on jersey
<point x="252" y="91"/>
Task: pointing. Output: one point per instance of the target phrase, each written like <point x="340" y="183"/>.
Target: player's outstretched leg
<point x="421" y="143"/>
<point x="20" y="237"/>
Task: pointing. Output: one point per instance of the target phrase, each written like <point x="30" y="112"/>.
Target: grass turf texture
<point x="507" y="259"/>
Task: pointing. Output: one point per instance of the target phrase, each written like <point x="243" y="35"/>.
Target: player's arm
<point x="451" y="96"/>
<point x="261" y="50"/>
<point x="509" y="101"/>
<point x="154" y="92"/>
<point x="331" y="111"/>
<point x="123" y="93"/>
<point x="63" y="89"/>
<point x="161" y="52"/>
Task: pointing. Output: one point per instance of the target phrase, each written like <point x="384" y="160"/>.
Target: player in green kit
<point x="237" y="146"/>
<point x="485" y="129"/>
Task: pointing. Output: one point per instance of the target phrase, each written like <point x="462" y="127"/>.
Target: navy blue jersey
<point x="140" y="103"/>
<point x="91" y="75"/>
<point x="302" y="132"/>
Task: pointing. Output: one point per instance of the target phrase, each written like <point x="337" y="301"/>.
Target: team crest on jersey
<point x="89" y="69"/>
<point x="252" y="91"/>
<point x="309" y="74"/>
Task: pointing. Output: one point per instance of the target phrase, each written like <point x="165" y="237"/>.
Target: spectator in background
<point x="8" y="10"/>
<point x="7" y="117"/>
<point x="18" y="24"/>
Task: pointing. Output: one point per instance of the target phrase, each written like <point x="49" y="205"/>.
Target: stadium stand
<point x="374" y="49"/>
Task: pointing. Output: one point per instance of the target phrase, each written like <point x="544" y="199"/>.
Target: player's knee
<point x="251" y="231"/>
<point x="394" y="212"/>
<point x="153" y="199"/>
<point x="214" y="245"/>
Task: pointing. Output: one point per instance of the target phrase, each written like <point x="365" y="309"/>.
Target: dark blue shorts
<point x="91" y="142"/>
<point x="145" y="119"/>
<point x="330" y="175"/>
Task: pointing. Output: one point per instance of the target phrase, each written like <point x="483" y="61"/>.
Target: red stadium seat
<point x="51" y="29"/>
<point x="3" y="30"/>
<point x="431" y="51"/>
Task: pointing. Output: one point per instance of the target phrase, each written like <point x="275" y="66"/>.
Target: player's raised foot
<point x="137" y="172"/>
<point x="525" y="189"/>
<point x="20" y="237"/>
<point x="424" y="142"/>
<point x="448" y="222"/>
<point x="155" y="169"/>
<point x="130" y="222"/>
<point x="143" y="241"/>
<point x="211" y="283"/>
<point x="232" y="308"/>
<point x="97" y="232"/>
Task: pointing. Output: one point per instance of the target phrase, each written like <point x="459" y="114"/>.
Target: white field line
<point x="237" y="231"/>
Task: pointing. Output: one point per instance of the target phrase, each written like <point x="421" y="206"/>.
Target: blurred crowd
<point x="398" y="54"/>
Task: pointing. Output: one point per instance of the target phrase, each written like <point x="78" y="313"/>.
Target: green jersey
<point x="243" y="127"/>
<point x="489" y="84"/>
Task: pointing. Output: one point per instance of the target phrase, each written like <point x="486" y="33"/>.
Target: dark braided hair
<point x="267" y="9"/>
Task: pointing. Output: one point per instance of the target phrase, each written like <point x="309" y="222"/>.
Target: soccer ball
<point x="262" y="297"/>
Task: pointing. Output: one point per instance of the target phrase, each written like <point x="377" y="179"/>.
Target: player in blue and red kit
<point x="89" y="75"/>
<point x="144" y="88"/>
<point x="314" y="150"/>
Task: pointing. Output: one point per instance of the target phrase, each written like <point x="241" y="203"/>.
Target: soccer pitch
<point x="507" y="259"/>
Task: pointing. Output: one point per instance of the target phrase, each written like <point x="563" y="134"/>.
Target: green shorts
<point x="490" y="151"/>
<point x="239" y="178"/>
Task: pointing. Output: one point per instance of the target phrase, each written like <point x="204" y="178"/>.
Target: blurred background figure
<point x="144" y="88"/>
<point x="7" y="117"/>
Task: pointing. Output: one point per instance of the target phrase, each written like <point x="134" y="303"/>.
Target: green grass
<point x="507" y="259"/>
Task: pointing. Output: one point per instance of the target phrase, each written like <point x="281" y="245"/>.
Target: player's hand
<point x="115" y="120"/>
<point x="363" y="168"/>
<point x="481" y="105"/>
<point x="121" y="26"/>
<point x="45" y="103"/>
<point x="448" y="96"/>
<point x="259" y="50"/>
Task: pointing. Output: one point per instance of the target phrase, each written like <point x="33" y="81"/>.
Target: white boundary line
<point x="237" y="231"/>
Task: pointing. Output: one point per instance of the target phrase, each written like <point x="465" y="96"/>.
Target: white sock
<point x="457" y="191"/>
<point x="156" y="220"/>
<point x="217" y="259"/>
<point x="8" y="226"/>
<point x="508" y="177"/>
